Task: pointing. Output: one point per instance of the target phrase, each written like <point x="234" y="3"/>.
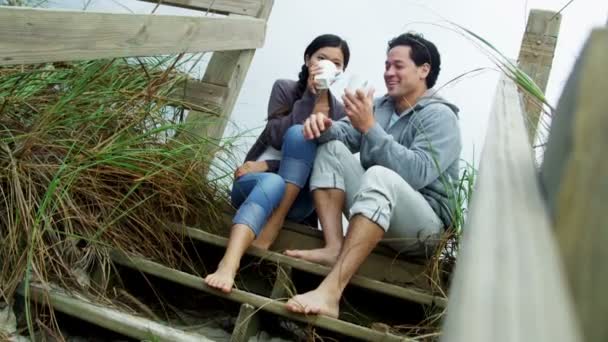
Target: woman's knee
<point x="295" y="133"/>
<point x="296" y="146"/>
<point x="272" y="186"/>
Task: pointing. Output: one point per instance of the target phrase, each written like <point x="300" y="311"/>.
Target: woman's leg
<point x="296" y="164"/>
<point x="261" y="192"/>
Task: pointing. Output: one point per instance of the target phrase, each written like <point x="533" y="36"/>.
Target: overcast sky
<point x="367" y="26"/>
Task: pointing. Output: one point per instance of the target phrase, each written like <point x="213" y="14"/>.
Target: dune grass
<point x="88" y="160"/>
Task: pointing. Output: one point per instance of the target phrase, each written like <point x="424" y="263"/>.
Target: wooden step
<point x="257" y="301"/>
<point x="108" y="318"/>
<point x="410" y="294"/>
<point x="383" y="264"/>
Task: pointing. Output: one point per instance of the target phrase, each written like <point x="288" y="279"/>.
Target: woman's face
<point x="333" y="54"/>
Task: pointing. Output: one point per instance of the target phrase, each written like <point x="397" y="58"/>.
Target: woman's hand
<point x="313" y="70"/>
<point x="250" y="166"/>
<point x="315" y="125"/>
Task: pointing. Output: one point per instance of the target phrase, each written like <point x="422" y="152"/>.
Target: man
<point x="401" y="190"/>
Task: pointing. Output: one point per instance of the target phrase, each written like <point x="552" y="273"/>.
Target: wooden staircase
<point x="372" y="278"/>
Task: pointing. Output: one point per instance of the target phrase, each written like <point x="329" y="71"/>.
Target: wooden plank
<point x="111" y="319"/>
<point x="200" y="94"/>
<point x="536" y="57"/>
<point x="508" y="283"/>
<point x="574" y="173"/>
<point x="282" y="283"/>
<point x="263" y="303"/>
<point x="247" y="324"/>
<point x="228" y="69"/>
<point x="242" y="7"/>
<point x="29" y="35"/>
<point x="358" y="280"/>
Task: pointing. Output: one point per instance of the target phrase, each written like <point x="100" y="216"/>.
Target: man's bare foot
<point x="222" y="279"/>
<point x="315" y="302"/>
<point x="324" y="256"/>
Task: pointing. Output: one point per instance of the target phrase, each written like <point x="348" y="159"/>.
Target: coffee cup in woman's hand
<point x="328" y="74"/>
<point x="313" y="71"/>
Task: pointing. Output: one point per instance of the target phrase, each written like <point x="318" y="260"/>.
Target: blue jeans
<point x="256" y="195"/>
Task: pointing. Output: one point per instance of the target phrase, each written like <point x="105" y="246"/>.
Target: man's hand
<point x="250" y="166"/>
<point x="359" y="107"/>
<point x="315" y="125"/>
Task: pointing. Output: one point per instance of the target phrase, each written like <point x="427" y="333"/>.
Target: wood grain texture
<point x="578" y="167"/>
<point x="39" y="35"/>
<point x="508" y="283"/>
<point x="263" y="303"/>
<point x="410" y="294"/>
<point x="111" y="319"/>
<point x="536" y="58"/>
<point x="243" y="7"/>
<point x="227" y="69"/>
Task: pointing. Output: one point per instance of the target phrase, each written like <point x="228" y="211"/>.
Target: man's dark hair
<point x="422" y="51"/>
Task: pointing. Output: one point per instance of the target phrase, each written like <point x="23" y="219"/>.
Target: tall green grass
<point x="89" y="160"/>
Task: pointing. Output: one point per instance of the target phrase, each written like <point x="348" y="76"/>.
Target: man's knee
<point x="380" y="177"/>
<point x="334" y="150"/>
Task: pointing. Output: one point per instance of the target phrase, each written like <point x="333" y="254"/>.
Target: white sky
<point x="367" y="26"/>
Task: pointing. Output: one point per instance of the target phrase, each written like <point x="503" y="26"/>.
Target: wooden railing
<point x="510" y="283"/>
<point x="30" y="35"/>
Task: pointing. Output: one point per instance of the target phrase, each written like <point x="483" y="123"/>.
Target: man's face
<point x="401" y="75"/>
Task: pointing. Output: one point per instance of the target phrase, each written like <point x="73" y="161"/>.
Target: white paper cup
<point x="357" y="82"/>
<point x="328" y="75"/>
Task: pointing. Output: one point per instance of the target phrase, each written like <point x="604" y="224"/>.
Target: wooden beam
<point x="228" y="69"/>
<point x="358" y="280"/>
<point x="536" y="57"/>
<point x="246" y="325"/>
<point x="111" y="319"/>
<point x="282" y="283"/>
<point x="263" y="303"/>
<point x="243" y="7"/>
<point x="508" y="283"/>
<point x="200" y="94"/>
<point x="574" y="173"/>
<point x="30" y="35"/>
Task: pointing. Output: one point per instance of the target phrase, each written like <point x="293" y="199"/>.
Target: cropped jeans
<point x="257" y="194"/>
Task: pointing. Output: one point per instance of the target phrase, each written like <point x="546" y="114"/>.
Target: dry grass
<point x="88" y="161"/>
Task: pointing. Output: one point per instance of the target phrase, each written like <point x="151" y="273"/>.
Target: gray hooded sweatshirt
<point x="423" y="146"/>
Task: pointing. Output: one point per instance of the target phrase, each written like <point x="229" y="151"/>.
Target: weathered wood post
<point x="573" y="175"/>
<point x="226" y="69"/>
<point x="536" y="57"/>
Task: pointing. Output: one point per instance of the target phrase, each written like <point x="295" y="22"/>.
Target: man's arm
<point x="342" y="130"/>
<point x="435" y="147"/>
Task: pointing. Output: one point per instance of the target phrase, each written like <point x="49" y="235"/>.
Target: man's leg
<point x="362" y="236"/>
<point x="335" y="179"/>
<point x="296" y="165"/>
<point x="384" y="200"/>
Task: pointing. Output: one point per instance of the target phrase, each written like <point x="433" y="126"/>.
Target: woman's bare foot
<point x="223" y="278"/>
<point x="315" y="302"/>
<point x="325" y="256"/>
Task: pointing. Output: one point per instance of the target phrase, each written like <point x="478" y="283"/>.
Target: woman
<point x="272" y="184"/>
